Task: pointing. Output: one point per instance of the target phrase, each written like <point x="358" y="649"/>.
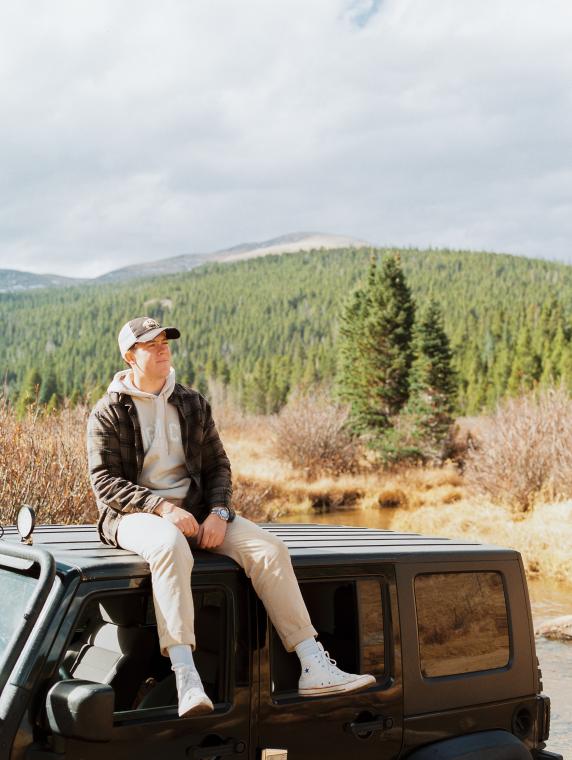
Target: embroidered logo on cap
<point x="149" y="323"/>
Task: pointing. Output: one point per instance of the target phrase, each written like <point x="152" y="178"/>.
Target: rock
<point x="559" y="628"/>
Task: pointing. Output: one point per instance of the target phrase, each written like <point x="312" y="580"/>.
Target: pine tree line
<point x="268" y="325"/>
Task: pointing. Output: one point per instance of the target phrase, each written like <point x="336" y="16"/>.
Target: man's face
<point x="152" y="359"/>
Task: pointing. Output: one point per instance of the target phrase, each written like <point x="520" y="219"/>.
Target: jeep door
<point x="355" y="614"/>
<point x="111" y="639"/>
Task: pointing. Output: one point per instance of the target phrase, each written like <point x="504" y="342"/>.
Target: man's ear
<point x="129" y="358"/>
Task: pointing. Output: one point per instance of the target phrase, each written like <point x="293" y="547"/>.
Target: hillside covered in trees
<point x="267" y="325"/>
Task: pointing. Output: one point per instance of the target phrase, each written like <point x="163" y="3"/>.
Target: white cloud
<point x="131" y="132"/>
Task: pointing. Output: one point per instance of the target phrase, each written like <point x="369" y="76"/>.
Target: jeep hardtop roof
<point x="79" y="548"/>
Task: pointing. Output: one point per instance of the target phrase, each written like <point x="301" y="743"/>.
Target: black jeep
<point x="445" y="626"/>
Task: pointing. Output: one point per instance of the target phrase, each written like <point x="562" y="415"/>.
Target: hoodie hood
<point x="164" y="466"/>
<point x="123" y="383"/>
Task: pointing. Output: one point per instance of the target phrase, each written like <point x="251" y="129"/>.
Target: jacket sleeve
<point x="106" y="469"/>
<point x="215" y="471"/>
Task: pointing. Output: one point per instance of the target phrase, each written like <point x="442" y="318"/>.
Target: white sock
<point x="307" y="648"/>
<point x="181" y="654"/>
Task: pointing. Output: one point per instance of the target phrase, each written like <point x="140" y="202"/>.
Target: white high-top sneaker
<point x="192" y="696"/>
<point x="320" y="675"/>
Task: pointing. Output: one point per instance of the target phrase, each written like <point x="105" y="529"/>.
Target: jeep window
<point x="115" y="641"/>
<point x="16" y="591"/>
<point x="371" y="633"/>
<point x="348" y="615"/>
<point x="462" y="623"/>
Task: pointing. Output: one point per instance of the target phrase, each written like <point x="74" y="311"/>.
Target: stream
<point x="550" y="601"/>
<point x="547" y="600"/>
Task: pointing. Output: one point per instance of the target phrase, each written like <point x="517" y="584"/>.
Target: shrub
<point x="392" y="498"/>
<point x="226" y="412"/>
<point x="523" y="452"/>
<point x="251" y="499"/>
<point x="43" y="463"/>
<point x="310" y="434"/>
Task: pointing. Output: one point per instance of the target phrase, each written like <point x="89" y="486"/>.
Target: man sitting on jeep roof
<point x="161" y="476"/>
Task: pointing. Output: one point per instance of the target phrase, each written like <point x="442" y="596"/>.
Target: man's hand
<point x="211" y="532"/>
<point x="182" y="519"/>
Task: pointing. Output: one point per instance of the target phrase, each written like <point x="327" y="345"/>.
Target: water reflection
<point x="547" y="601"/>
<point x="556" y="663"/>
<point x="555" y="657"/>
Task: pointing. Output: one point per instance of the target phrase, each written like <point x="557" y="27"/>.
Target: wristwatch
<point x="225" y="513"/>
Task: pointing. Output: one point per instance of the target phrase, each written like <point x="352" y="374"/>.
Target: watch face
<point x="222" y="512"/>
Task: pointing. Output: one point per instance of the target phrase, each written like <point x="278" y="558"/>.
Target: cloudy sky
<point x="132" y="130"/>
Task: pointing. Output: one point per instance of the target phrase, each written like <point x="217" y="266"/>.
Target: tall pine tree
<point x="49" y="389"/>
<point x="375" y="349"/>
<point x="29" y="393"/>
<point x="527" y="364"/>
<point x="350" y="376"/>
<point x="425" y="421"/>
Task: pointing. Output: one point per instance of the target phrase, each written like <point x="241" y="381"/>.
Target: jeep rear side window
<point x="16" y="592"/>
<point x="348" y="616"/>
<point x="462" y="623"/>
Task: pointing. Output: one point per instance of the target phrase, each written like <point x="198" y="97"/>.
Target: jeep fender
<point x="487" y="745"/>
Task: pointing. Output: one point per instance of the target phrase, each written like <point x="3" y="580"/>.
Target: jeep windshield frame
<point x="32" y="562"/>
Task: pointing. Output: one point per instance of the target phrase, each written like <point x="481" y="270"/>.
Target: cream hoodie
<point x="164" y="469"/>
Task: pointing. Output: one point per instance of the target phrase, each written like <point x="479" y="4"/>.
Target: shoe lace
<point x="330" y="662"/>
<point x="187" y="678"/>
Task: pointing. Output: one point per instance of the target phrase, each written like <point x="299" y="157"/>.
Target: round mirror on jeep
<point x="26" y="521"/>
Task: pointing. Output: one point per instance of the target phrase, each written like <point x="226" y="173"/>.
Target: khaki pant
<point x="265" y="560"/>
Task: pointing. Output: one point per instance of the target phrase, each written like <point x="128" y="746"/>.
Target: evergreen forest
<point x="265" y="326"/>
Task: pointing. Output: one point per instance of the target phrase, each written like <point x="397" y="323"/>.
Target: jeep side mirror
<point x="81" y="709"/>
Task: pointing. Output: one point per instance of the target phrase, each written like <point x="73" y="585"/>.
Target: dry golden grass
<point x="429" y="500"/>
<point x="544" y="537"/>
<point x="43" y="463"/>
<point x="252" y="455"/>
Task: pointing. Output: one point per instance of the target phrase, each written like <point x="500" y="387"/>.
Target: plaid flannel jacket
<point x="115" y="459"/>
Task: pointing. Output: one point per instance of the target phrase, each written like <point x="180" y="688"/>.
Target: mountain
<point x="174" y="265"/>
<point x="14" y="281"/>
<point x="291" y="243"/>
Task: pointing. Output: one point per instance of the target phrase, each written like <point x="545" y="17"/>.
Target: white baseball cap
<point x="141" y="330"/>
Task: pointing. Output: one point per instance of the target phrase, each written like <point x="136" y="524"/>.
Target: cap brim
<point x="170" y="332"/>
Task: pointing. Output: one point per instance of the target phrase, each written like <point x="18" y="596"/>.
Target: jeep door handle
<point x="362" y="729"/>
<point x="216" y="750"/>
